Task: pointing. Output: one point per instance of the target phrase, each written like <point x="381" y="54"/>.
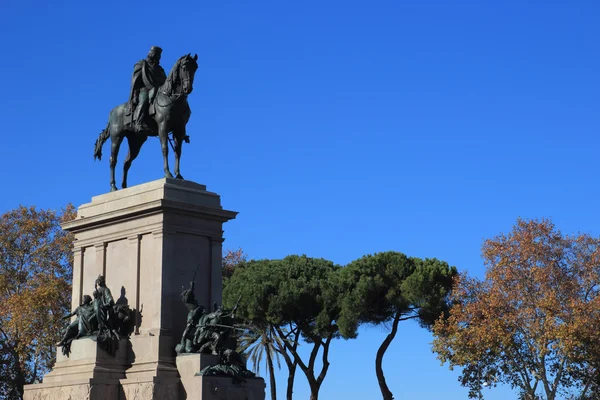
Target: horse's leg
<point x="135" y="144"/>
<point x="178" y="137"/>
<point x="162" y="134"/>
<point x="114" y="150"/>
<point x="126" y="165"/>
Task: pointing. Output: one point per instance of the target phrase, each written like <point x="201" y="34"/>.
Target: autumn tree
<point x="389" y="288"/>
<point x="294" y="297"/>
<point x="35" y="276"/>
<point x="533" y="321"/>
<point x="231" y="260"/>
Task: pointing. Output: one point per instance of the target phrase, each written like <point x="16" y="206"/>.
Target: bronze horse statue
<point x="172" y="113"/>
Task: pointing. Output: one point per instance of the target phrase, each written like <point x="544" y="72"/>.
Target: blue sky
<point x="335" y="128"/>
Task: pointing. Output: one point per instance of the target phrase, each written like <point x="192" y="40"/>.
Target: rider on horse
<point x="148" y="75"/>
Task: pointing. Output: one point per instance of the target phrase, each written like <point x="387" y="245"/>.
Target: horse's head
<point x="181" y="78"/>
<point x="187" y="70"/>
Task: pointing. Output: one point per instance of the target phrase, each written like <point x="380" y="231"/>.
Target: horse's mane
<point x="169" y="84"/>
<point x="173" y="77"/>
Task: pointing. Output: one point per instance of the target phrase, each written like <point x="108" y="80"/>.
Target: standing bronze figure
<point x="155" y="108"/>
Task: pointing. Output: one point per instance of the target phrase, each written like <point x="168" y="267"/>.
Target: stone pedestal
<point x="89" y="372"/>
<point x="197" y="387"/>
<point x="148" y="240"/>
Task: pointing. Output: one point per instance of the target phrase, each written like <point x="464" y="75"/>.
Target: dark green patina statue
<point x="148" y="75"/>
<point x="212" y="333"/>
<point x="157" y="106"/>
<point x="195" y="313"/>
<point x="101" y="318"/>
<point x="209" y="333"/>
<point x="231" y="364"/>
<point x="83" y="325"/>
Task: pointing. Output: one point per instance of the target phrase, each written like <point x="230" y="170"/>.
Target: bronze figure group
<point x="100" y="318"/>
<point x="206" y="332"/>
<point x="212" y="333"/>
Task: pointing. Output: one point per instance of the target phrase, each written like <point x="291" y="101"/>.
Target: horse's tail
<point x="102" y="138"/>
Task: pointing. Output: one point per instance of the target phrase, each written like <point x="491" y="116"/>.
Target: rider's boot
<point x="138" y="118"/>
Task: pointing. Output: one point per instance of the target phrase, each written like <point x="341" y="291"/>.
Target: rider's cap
<point x="156" y="49"/>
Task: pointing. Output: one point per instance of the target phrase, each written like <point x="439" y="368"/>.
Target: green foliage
<point x="372" y="285"/>
<point x="428" y="288"/>
<point x="324" y="301"/>
<point x="257" y="284"/>
<point x="258" y="342"/>
<point x="378" y="286"/>
<point x="391" y="287"/>
<point x="295" y="290"/>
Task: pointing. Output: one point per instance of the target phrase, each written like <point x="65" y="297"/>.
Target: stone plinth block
<point x="150" y="388"/>
<point x="189" y="365"/>
<point x="89" y="373"/>
<point x="91" y="389"/>
<point x="88" y="361"/>
<point x="197" y="387"/>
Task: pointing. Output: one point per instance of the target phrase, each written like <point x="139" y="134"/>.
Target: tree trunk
<point x="19" y="378"/>
<point x="271" y="375"/>
<point x="309" y="370"/>
<point x="314" y="393"/>
<point x="385" y="391"/>
<point x="290" y="364"/>
<point x="290" y="381"/>
<point x="35" y="368"/>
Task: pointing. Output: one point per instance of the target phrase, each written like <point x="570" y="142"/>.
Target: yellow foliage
<point x="35" y="277"/>
<point x="533" y="321"/>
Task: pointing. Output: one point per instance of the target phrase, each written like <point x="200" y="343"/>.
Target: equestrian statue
<point x="157" y="106"/>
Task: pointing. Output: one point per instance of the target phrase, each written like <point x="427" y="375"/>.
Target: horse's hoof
<point x="113" y="188"/>
<point x="179" y="176"/>
<point x="124" y="185"/>
<point x="168" y="174"/>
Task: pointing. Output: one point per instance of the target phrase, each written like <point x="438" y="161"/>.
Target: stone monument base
<point x="149" y="388"/>
<point x="148" y="241"/>
<point x="197" y="387"/>
<point x="81" y="389"/>
<point x="88" y="373"/>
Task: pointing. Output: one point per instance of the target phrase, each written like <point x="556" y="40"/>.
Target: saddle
<point x="129" y="111"/>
